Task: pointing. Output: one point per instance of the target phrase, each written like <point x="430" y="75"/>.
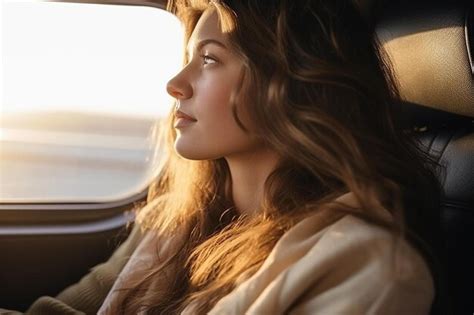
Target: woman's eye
<point x="206" y="60"/>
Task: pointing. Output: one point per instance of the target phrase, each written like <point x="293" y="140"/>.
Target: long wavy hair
<point x="321" y="94"/>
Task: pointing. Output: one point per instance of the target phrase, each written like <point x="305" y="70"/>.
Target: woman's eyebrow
<point x="205" y="42"/>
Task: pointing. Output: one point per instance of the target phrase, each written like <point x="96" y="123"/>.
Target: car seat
<point x="431" y="47"/>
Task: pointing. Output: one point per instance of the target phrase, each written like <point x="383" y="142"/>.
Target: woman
<point x="290" y="185"/>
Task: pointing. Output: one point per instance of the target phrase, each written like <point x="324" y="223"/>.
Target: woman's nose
<point x="179" y="88"/>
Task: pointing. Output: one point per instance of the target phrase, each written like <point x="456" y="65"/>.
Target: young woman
<point x="290" y="185"/>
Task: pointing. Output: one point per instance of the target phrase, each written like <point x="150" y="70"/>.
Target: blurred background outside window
<point x="83" y="86"/>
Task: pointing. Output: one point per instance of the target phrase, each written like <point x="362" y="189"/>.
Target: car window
<point x="83" y="90"/>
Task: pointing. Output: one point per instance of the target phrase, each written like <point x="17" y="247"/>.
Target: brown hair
<point x="322" y="96"/>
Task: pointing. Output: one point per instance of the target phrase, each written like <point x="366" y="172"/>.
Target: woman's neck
<point x="249" y="172"/>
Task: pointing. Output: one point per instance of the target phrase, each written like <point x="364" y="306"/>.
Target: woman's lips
<point x="183" y="120"/>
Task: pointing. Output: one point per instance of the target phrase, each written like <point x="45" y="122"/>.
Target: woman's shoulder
<point x="352" y="231"/>
<point x="355" y="244"/>
<point x="354" y="237"/>
<point x="352" y="241"/>
<point x="377" y="271"/>
<point x="351" y="266"/>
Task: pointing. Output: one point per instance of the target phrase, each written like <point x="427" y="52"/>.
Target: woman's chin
<point x="189" y="151"/>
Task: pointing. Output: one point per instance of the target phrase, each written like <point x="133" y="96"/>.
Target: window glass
<point x="83" y="86"/>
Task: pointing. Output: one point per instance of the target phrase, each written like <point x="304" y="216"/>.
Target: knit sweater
<point x="345" y="268"/>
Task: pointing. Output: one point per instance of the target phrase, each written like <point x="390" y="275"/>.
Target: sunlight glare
<point x="94" y="58"/>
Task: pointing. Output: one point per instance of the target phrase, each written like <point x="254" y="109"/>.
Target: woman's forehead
<point x="208" y="27"/>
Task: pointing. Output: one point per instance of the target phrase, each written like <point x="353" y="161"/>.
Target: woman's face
<point x="205" y="126"/>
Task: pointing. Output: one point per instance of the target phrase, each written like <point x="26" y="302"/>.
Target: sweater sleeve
<point x="86" y="296"/>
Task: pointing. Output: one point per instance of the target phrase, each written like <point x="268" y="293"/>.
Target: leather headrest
<point x="431" y="47"/>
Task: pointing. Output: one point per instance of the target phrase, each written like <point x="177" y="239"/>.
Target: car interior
<point x="431" y="46"/>
<point x="46" y="247"/>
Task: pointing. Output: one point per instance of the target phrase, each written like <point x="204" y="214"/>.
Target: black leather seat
<point x="431" y="45"/>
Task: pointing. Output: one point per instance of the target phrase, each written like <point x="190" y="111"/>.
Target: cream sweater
<point x="350" y="267"/>
<point x="346" y="268"/>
